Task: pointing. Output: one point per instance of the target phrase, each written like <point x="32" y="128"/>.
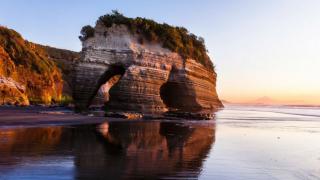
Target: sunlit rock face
<point x="24" y="63"/>
<point x="153" y="79"/>
<point x="12" y="92"/>
<point x="65" y="60"/>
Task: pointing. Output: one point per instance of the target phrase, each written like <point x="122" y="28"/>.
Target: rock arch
<point x="154" y="79"/>
<point x="89" y="78"/>
<point x="149" y="83"/>
<point x="103" y="95"/>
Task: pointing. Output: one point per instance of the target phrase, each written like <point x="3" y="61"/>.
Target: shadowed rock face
<point x="153" y="79"/>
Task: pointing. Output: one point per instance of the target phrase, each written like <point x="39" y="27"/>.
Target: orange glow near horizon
<point x="272" y="98"/>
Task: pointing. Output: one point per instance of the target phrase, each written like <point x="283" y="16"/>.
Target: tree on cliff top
<point x="176" y="39"/>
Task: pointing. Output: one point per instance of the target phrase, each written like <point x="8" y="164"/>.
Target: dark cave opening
<point x="179" y="96"/>
<point x="105" y="83"/>
<point x="170" y="93"/>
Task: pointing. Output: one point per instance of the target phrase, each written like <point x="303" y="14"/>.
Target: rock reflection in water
<point x="116" y="149"/>
<point x="149" y="149"/>
<point x="18" y="143"/>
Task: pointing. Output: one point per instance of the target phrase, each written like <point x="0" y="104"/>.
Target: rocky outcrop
<point x="153" y="79"/>
<point x="23" y="63"/>
<point x="12" y="93"/>
<point x="64" y="59"/>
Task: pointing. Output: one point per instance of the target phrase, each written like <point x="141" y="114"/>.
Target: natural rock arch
<point x="89" y="80"/>
<point x="154" y="79"/>
<point x="103" y="95"/>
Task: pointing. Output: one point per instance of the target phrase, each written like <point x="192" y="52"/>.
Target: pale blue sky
<point x="260" y="48"/>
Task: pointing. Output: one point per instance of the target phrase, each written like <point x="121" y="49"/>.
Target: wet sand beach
<point x="42" y="116"/>
<point x="242" y="142"/>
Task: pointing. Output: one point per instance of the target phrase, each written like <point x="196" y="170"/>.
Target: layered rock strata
<point x="153" y="79"/>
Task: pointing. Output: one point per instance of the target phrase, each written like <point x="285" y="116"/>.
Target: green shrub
<point x="66" y="100"/>
<point x="86" y="32"/>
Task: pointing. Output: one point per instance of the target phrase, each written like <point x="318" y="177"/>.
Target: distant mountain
<point x="225" y="101"/>
<point x="264" y="100"/>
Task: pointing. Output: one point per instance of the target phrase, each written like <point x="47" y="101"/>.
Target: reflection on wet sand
<point x="27" y="142"/>
<point x="116" y="149"/>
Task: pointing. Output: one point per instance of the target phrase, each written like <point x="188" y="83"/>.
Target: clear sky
<point x="260" y="47"/>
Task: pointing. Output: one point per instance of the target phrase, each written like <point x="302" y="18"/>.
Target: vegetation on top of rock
<point x="28" y="65"/>
<point x="176" y="39"/>
<point x="86" y="32"/>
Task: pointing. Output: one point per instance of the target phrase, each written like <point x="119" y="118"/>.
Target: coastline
<point x="39" y="116"/>
<point x="35" y="116"/>
<point x="264" y="140"/>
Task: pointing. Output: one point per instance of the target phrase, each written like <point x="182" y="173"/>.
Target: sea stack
<point x="152" y="68"/>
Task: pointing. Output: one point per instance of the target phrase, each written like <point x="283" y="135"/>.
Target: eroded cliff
<point x="32" y="73"/>
<point x="23" y="64"/>
<point x="153" y="78"/>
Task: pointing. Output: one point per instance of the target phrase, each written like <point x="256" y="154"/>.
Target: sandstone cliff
<point x="132" y="65"/>
<point x="11" y="92"/>
<point x="154" y="79"/>
<point x="20" y="61"/>
<point x="64" y="60"/>
<point x="42" y="72"/>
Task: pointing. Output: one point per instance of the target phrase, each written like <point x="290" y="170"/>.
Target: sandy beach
<point x="42" y="116"/>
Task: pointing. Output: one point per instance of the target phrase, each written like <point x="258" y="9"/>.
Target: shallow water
<point x="241" y="143"/>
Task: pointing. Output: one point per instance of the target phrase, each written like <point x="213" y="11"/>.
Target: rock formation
<point x="23" y="64"/>
<point x="133" y="65"/>
<point x="64" y="59"/>
<point x="153" y="79"/>
<point x="11" y="92"/>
